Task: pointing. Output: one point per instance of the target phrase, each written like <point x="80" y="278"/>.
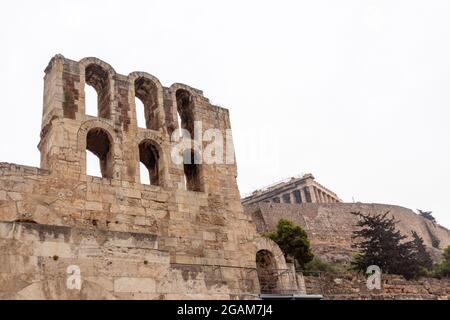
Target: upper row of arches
<point x="146" y="97"/>
<point x="101" y="151"/>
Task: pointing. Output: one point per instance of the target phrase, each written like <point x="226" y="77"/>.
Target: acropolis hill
<point x="328" y="220"/>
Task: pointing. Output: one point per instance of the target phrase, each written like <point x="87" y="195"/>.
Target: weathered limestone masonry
<point x="330" y="225"/>
<point x="351" y="286"/>
<point x="183" y="236"/>
<point x="302" y="189"/>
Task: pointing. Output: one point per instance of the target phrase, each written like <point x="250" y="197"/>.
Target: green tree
<point x="293" y="241"/>
<point x="421" y="255"/>
<point x="443" y="268"/>
<point x="380" y="243"/>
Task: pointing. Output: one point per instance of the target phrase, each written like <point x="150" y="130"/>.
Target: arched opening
<point x="98" y="143"/>
<point x="185" y="111"/>
<point x="140" y="113"/>
<point x="92" y="165"/>
<point x="146" y="92"/>
<point x="144" y="176"/>
<point x="98" y="78"/>
<point x="192" y="171"/>
<point x="267" y="271"/>
<point x="179" y="123"/>
<point x="149" y="160"/>
<point x="90" y="101"/>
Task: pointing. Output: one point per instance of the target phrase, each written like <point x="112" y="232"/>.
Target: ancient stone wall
<point x="330" y="226"/>
<point x="113" y="265"/>
<point x="169" y="239"/>
<point x="352" y="286"/>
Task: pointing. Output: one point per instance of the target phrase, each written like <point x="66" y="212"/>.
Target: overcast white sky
<point x="355" y="92"/>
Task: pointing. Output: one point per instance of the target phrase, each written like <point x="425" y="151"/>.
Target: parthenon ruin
<point x="301" y="189"/>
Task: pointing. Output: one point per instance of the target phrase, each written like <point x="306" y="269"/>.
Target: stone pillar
<point x="301" y="283"/>
<point x="288" y="280"/>
<point x="312" y="192"/>
<point x="302" y="195"/>
<point x="321" y="196"/>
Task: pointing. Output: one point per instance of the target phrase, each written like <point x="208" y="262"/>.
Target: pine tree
<point x="379" y="243"/>
<point x="293" y="241"/>
<point x="443" y="268"/>
<point x="420" y="252"/>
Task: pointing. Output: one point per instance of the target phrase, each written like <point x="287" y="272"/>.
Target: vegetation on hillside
<point x="293" y="241"/>
<point x="380" y="243"/>
<point x="317" y="264"/>
<point x="427" y="215"/>
<point x="442" y="269"/>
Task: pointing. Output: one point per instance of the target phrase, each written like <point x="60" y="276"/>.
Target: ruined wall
<point x="352" y="286"/>
<point x="330" y="226"/>
<point x="114" y="265"/>
<point x="197" y="243"/>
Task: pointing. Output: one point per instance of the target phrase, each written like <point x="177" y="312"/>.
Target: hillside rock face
<point x="330" y="225"/>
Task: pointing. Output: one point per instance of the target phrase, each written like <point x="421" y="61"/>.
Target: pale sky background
<point x="355" y="92"/>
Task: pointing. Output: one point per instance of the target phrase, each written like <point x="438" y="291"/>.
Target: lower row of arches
<point x="100" y="161"/>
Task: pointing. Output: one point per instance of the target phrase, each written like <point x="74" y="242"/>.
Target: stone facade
<point x="330" y="226"/>
<point x="183" y="236"/>
<point x="302" y="189"/>
<point x="352" y="286"/>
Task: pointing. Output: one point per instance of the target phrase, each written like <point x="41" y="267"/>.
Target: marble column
<point x="302" y="195"/>
<point x="322" y="196"/>
<point x="312" y="192"/>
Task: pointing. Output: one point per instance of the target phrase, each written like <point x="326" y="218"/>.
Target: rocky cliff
<point x="330" y="225"/>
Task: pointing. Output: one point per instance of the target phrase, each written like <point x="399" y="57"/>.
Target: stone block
<point x="134" y="285"/>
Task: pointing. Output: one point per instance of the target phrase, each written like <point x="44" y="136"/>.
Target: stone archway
<point x="115" y="152"/>
<point x="270" y="264"/>
<point x="149" y="90"/>
<point x="99" y="75"/>
<point x="267" y="271"/>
